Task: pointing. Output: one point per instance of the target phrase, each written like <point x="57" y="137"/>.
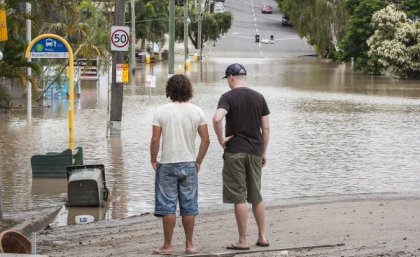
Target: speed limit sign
<point x="119" y="38"/>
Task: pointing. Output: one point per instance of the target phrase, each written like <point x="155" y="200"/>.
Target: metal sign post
<point x="54" y="46"/>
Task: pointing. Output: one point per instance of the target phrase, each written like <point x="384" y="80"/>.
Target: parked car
<point x="267" y="9"/>
<point x="218" y="8"/>
<point x="285" y="21"/>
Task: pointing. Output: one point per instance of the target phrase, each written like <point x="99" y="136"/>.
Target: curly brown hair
<point x="179" y="88"/>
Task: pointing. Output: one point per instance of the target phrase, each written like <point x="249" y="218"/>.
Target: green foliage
<point x="396" y="43"/>
<point x="154" y="20"/>
<point x="321" y="22"/>
<point x="340" y="28"/>
<point x="5" y="99"/>
<point x="411" y="8"/>
<point x="14" y="63"/>
<point x="358" y="30"/>
<point x="214" y="25"/>
<point x="94" y="27"/>
<point x="87" y="33"/>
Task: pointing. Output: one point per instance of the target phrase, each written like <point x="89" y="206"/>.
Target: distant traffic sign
<point x="121" y="73"/>
<point x="3" y="25"/>
<point x="49" y="48"/>
<point x="119" y="38"/>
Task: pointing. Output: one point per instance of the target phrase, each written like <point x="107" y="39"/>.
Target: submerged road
<point x="248" y="21"/>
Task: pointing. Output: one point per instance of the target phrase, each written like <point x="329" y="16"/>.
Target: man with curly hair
<point x="176" y="124"/>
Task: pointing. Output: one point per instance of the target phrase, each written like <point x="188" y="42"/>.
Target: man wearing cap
<point x="245" y="141"/>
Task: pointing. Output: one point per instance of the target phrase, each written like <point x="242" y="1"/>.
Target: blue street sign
<point x="49" y="48"/>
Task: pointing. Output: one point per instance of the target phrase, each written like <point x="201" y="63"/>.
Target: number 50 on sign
<point x="119" y="38"/>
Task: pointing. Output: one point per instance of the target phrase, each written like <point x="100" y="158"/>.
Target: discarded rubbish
<point x="284" y="253"/>
<point x="84" y="219"/>
<point x="14" y="242"/>
<point x="267" y="41"/>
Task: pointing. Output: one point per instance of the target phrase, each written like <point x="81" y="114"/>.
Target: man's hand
<point x="263" y="160"/>
<point x="155" y="165"/>
<point x="198" y="165"/>
<point x="224" y="141"/>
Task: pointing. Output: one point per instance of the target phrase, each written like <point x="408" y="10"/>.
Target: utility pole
<point x="117" y="88"/>
<point x="29" y="70"/>
<point x="200" y="24"/>
<point x="185" y="33"/>
<point x="171" y="36"/>
<point x="133" y="39"/>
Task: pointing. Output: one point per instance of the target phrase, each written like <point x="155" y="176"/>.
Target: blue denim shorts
<point x="176" y="182"/>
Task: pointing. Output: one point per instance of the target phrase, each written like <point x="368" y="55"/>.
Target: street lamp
<point x="1" y="55"/>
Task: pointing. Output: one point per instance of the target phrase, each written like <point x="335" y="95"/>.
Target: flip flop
<point x="262" y="244"/>
<point x="234" y="247"/>
<point x="159" y="252"/>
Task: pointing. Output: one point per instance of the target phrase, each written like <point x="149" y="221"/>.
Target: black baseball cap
<point x="235" y="70"/>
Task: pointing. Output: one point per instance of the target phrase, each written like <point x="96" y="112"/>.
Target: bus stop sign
<point x="49" y="48"/>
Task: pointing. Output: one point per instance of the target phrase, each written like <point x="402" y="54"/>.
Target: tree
<point x="412" y="8"/>
<point x="88" y="35"/>
<point x="396" y="43"/>
<point x="359" y="29"/>
<point x="153" y="21"/>
<point x="95" y="36"/>
<point x="13" y="65"/>
<point x="353" y="46"/>
<point x="321" y="22"/>
<point x="214" y="26"/>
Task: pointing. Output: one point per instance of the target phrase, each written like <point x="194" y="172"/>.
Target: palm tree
<point x="88" y="36"/>
<point x="14" y="64"/>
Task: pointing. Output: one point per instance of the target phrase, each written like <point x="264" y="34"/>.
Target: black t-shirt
<point x="244" y="107"/>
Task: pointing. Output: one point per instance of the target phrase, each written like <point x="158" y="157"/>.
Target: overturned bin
<point x="54" y="164"/>
<point x="86" y="186"/>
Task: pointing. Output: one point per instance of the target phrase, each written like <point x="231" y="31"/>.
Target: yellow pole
<point x="180" y="70"/>
<point x="71" y="99"/>
<point x="71" y="78"/>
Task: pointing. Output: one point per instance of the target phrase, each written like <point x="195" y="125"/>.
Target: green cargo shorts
<point x="241" y="178"/>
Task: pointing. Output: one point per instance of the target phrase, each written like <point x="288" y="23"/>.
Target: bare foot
<point x="191" y="250"/>
<point x="163" y="251"/>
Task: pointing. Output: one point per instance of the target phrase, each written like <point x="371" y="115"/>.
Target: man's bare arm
<point x="154" y="146"/>
<point x="203" y="132"/>
<point x="218" y="126"/>
<point x="265" y="127"/>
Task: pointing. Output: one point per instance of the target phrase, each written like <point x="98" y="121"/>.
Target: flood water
<point x="333" y="132"/>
